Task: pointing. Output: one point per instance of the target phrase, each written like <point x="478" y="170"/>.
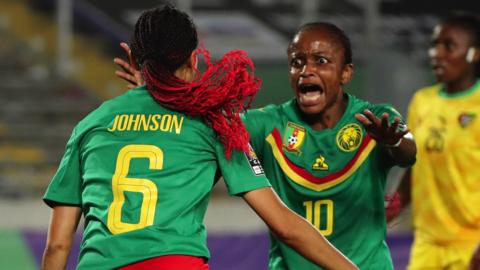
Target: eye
<point x="322" y="60"/>
<point x="449" y="46"/>
<point x="296" y="62"/>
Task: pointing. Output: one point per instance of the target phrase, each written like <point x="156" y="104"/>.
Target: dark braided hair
<point x="471" y="24"/>
<point x="164" y="35"/>
<point x="338" y="33"/>
<point x="163" y="41"/>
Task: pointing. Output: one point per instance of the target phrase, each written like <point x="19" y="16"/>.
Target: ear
<point x="475" y="54"/>
<point x="347" y="74"/>
<point x="193" y="59"/>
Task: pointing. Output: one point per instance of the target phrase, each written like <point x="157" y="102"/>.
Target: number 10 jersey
<point x="335" y="178"/>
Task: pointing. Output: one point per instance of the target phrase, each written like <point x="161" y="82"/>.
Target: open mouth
<point x="438" y="69"/>
<point x="305" y="88"/>
<point x="309" y="94"/>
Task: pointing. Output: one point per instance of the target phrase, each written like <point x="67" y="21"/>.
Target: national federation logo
<point x="253" y="161"/>
<point x="349" y="137"/>
<point x="293" y="137"/>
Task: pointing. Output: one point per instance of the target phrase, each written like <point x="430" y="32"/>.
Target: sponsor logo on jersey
<point x="320" y="164"/>
<point x="349" y="137"/>
<point x="464" y="119"/>
<point x="293" y="137"/>
<point x="253" y="161"/>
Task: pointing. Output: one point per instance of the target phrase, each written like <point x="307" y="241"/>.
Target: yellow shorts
<point x="431" y="256"/>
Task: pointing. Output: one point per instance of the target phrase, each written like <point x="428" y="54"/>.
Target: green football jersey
<point x="335" y="178"/>
<point x="143" y="175"/>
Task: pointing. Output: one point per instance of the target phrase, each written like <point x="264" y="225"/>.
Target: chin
<point x="312" y="110"/>
<point x="443" y="79"/>
<point x="440" y="78"/>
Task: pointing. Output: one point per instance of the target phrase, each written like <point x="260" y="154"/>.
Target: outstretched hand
<point x="130" y="71"/>
<point x="380" y="129"/>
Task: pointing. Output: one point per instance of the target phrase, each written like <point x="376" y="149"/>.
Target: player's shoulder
<point x="424" y="95"/>
<point x="358" y="105"/>
<point x="427" y="92"/>
<point x="270" y="109"/>
<point x="108" y="108"/>
<point x="268" y="112"/>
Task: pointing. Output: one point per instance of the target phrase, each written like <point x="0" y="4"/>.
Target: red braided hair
<point x="218" y="95"/>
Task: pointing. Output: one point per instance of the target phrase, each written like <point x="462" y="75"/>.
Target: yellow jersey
<point x="446" y="176"/>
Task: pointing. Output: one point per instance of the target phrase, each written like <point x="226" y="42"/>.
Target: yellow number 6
<point x="122" y="183"/>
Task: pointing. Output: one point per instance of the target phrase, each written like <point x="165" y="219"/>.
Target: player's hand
<point x="475" y="261"/>
<point x="379" y="128"/>
<point x="130" y="71"/>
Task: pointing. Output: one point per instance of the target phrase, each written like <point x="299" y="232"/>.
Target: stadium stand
<point x="37" y="113"/>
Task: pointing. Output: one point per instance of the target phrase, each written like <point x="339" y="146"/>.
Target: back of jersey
<point x="139" y="171"/>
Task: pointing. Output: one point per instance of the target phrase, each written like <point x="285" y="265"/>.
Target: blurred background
<point x="56" y="65"/>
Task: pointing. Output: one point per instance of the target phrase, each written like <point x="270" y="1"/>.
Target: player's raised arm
<point x="63" y="224"/>
<point x="295" y="231"/>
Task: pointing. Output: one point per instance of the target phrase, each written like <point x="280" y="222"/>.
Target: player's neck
<point x="460" y="85"/>
<point x="329" y="117"/>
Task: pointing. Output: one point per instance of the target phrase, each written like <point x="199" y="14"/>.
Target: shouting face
<point x="317" y="69"/>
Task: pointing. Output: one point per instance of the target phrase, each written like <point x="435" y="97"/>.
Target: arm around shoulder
<point x="295" y="231"/>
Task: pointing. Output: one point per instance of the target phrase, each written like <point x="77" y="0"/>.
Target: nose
<point x="437" y="51"/>
<point x="308" y="69"/>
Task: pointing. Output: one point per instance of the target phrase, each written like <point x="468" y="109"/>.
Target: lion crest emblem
<point x="349" y="137"/>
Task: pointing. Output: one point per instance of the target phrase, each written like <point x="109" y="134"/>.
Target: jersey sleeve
<point x="65" y="187"/>
<point x="380" y="109"/>
<point x="243" y="172"/>
<point x="254" y="122"/>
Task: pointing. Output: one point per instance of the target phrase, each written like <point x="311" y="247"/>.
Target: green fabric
<point x="14" y="254"/>
<point x="357" y="226"/>
<point x="161" y="164"/>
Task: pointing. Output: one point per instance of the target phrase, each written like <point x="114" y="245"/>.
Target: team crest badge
<point x="349" y="137"/>
<point x="293" y="137"/>
<point x="320" y="164"/>
<point x="464" y="119"/>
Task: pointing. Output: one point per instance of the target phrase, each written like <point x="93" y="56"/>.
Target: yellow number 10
<point x="121" y="183"/>
<point x="313" y="212"/>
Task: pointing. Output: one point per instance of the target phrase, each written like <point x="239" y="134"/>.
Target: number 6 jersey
<point x="335" y="178"/>
<point x="142" y="175"/>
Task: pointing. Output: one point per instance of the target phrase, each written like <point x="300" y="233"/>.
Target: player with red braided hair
<point x="217" y="95"/>
<point x="141" y="167"/>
